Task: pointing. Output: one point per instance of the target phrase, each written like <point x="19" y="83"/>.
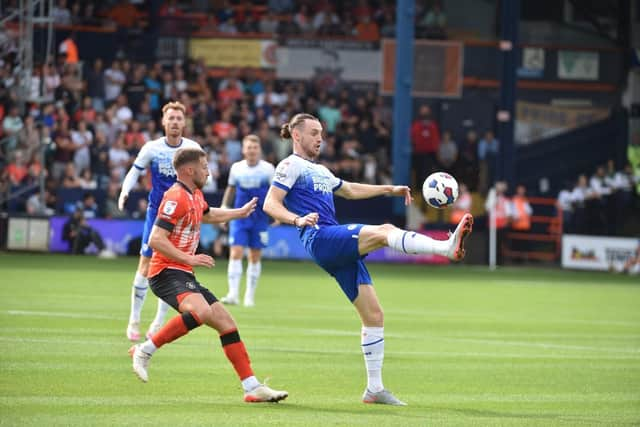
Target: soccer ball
<point x="440" y="190"/>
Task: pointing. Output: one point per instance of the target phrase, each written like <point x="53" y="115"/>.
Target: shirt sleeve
<point x="286" y="174"/>
<point x="144" y="158"/>
<point x="170" y="211"/>
<point x="334" y="181"/>
<point x="233" y="180"/>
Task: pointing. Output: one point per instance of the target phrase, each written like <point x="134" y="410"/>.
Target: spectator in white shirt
<point x="82" y="139"/>
<point x="114" y="81"/>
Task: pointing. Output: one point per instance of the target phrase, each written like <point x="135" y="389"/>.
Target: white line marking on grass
<point x="62" y="314"/>
<point x="428" y="315"/>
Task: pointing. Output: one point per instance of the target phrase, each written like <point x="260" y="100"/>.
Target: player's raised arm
<point x="354" y="190"/>
<point x="224" y="215"/>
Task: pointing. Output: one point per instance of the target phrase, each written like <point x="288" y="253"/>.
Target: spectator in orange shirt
<point x="367" y="30"/>
<point x="69" y="49"/>
<point x="124" y="14"/>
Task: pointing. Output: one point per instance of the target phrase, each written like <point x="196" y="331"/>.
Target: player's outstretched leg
<point x="411" y="242"/>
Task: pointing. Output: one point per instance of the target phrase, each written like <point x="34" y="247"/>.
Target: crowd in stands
<point x="93" y="122"/>
<point x="361" y="19"/>
<point x="601" y="203"/>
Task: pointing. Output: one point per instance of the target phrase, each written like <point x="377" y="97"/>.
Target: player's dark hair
<point x="187" y="155"/>
<point x="297" y="120"/>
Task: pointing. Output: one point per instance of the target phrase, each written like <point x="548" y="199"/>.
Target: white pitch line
<point x="335" y="332"/>
<point x="61" y="314"/>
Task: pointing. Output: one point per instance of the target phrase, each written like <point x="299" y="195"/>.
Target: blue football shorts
<point x="248" y="234"/>
<point x="149" y="220"/>
<point x="335" y="249"/>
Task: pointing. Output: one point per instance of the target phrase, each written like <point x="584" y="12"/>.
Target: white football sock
<point x="161" y="312"/>
<point x="250" y="383"/>
<point x="148" y="347"/>
<point x="253" y="274"/>
<point x="411" y="242"/>
<point x="138" y="294"/>
<point x="373" y="350"/>
<point x="234" y="274"/>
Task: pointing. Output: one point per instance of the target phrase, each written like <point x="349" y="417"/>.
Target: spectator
<point x="434" y="22"/>
<point x="64" y="150"/>
<point x="133" y="138"/>
<point x="69" y="49"/>
<point x="287" y="27"/>
<point x="280" y="6"/>
<point x="565" y="204"/>
<point x="425" y="138"/>
<point x="367" y="30"/>
<point x="115" y="79"/>
<point x="80" y="236"/>
<point x="70" y="177"/>
<point x="303" y="19"/>
<point x="61" y="14"/>
<point x="326" y="17"/>
<point x="100" y="159"/>
<point x="51" y="81"/>
<point x="488" y="149"/>
<point x="154" y="87"/>
<point x="86" y="112"/>
<point x="233" y="146"/>
<point x="11" y="126"/>
<point x="448" y="156"/>
<point x="82" y="138"/>
<point x="119" y="158"/>
<point x="468" y="160"/>
<point x="268" y="23"/>
<point x="330" y="115"/>
<point x="111" y="209"/>
<point x="29" y="137"/>
<point x="37" y="205"/>
<point x="582" y="200"/>
<point x="88" y="206"/>
<point x="96" y="85"/>
<point x="135" y="89"/>
<point x="86" y="179"/>
<point x="123" y="115"/>
<point x="521" y="210"/>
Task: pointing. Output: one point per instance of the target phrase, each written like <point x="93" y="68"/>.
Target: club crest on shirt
<point x="169" y="207"/>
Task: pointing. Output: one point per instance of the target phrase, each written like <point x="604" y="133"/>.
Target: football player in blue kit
<point x="157" y="155"/>
<point x="248" y="178"/>
<point x="302" y="194"/>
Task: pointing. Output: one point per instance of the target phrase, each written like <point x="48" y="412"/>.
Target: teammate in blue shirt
<point x="248" y="178"/>
<point x="302" y="194"/>
<point x="157" y="155"/>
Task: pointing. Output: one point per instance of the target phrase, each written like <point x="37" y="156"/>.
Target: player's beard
<point x="310" y="152"/>
<point x="199" y="183"/>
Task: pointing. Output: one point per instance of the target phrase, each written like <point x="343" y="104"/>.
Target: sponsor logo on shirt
<point x="169" y="207"/>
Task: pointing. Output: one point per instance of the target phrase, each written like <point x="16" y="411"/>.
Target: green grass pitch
<point x="464" y="346"/>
